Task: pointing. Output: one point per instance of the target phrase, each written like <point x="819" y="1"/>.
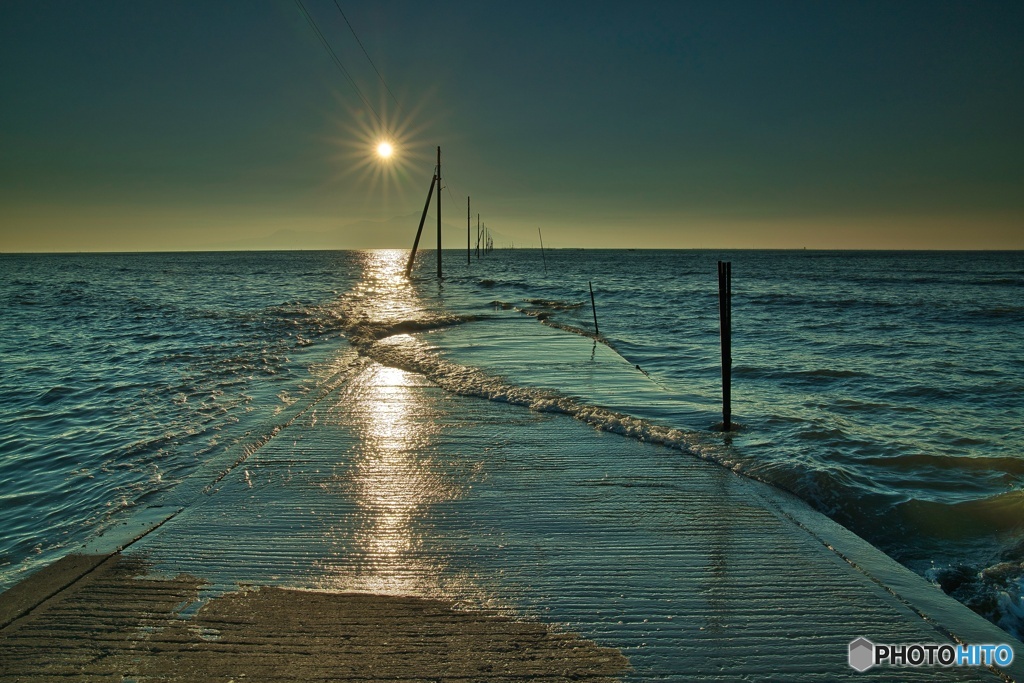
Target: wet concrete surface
<point x="391" y="530"/>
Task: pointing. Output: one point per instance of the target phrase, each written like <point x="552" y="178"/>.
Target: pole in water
<point x="597" y="332"/>
<point x="439" y="211"/>
<point x="478" y="237"/>
<point x="469" y="248"/>
<point x="725" y="315"/>
<point x="543" y="257"/>
<point x="419" y="231"/>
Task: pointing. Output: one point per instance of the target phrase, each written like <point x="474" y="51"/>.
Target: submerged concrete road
<point x="386" y="529"/>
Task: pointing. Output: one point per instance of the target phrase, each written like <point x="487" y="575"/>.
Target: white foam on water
<point x="407" y="352"/>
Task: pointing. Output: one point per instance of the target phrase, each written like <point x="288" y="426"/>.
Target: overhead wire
<point x="344" y="71"/>
<point x="338" y="63"/>
<point x="377" y="71"/>
<point x="366" y="54"/>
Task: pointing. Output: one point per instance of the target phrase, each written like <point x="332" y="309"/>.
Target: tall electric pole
<point x="438" y="211"/>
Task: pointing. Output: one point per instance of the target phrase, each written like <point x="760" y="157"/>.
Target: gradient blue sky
<point x="193" y="125"/>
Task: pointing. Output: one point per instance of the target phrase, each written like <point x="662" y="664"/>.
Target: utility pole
<point x="725" y="314"/>
<point x="543" y="257"/>
<point x="419" y="231"/>
<point x="439" y="211"/>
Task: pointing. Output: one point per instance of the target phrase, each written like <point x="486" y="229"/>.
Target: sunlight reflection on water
<point x="393" y="473"/>
<point x="384" y="293"/>
<point x="393" y="480"/>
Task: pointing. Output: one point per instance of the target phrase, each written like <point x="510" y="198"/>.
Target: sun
<point x="388" y="154"/>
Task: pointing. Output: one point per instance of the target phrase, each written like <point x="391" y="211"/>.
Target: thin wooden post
<point x="419" y="231"/>
<point x="469" y="248"/>
<point x="478" y="237"/>
<point x="438" y="211"/>
<point x="725" y="315"/>
<point x="542" y="256"/>
<point x="597" y="332"/>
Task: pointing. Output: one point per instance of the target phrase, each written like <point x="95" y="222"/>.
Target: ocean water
<point x="884" y="388"/>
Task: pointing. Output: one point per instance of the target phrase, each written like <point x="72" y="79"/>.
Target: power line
<point x="367" y="54"/>
<point x="341" y="67"/>
<point x="337" y="62"/>
<point x="377" y="71"/>
<point x="449" y="191"/>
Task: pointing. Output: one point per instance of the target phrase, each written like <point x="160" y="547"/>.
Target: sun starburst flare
<point x="388" y="156"/>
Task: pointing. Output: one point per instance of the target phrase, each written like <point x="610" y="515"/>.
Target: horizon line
<point x="508" y="248"/>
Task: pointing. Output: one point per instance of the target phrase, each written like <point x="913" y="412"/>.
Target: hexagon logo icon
<point x="862" y="654"/>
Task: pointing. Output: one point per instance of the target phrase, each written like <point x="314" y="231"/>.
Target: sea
<point x="886" y="389"/>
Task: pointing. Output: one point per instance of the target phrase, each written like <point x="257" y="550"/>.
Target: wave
<point x="995" y="590"/>
<point x="555" y="305"/>
<point x="389" y="343"/>
<point x="914" y="462"/>
<point x="995" y="514"/>
<point x="544" y="310"/>
<point x="490" y="283"/>
<point x="998" y="312"/>
<point x="468" y="381"/>
<point x="363" y="331"/>
<point x="773" y="373"/>
<point x="998" y="281"/>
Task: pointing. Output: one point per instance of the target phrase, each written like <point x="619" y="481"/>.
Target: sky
<point x="141" y="125"/>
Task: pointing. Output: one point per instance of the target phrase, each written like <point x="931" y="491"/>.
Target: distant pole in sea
<point x="438" y="211"/>
<point x="542" y="256"/>
<point x="478" y="237"/>
<point x="593" y="307"/>
<point x="725" y="314"/>
<point x="469" y="248"/>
